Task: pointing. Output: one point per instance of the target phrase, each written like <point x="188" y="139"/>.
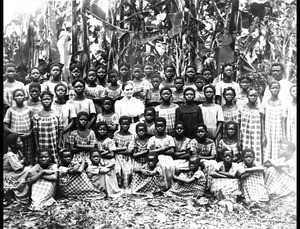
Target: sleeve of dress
<point x="193" y="146"/>
<point x="92" y="107"/>
<point x="115" y="119"/>
<point x="218" y="88"/>
<point x="140" y="107"/>
<point x="130" y="146"/>
<point x="14" y="162"/>
<point x="118" y="108"/>
<point x="35" y="123"/>
<point x="213" y="148"/>
<point x="284" y="110"/>
<point x="151" y="144"/>
<point x="7" y="117"/>
<point x="71" y="138"/>
<point x="92" y="138"/>
<point x="171" y="141"/>
<point x="262" y="108"/>
<point x="72" y="110"/>
<point x="220" y="114"/>
<point x="111" y="145"/>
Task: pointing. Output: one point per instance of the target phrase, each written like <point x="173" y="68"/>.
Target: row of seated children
<point x="157" y="172"/>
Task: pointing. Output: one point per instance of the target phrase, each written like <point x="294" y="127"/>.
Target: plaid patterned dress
<point x="169" y="114"/>
<point x="185" y="191"/>
<point x="42" y="191"/>
<point x="250" y="130"/>
<point x="253" y="187"/>
<point x="140" y="145"/>
<point x="21" y="122"/>
<point x="273" y="130"/>
<point x="124" y="163"/>
<point x="206" y="149"/>
<point x="232" y="147"/>
<point x="47" y="129"/>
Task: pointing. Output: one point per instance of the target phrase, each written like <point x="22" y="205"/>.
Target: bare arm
<point x="92" y="122"/>
<point x="184" y="180"/>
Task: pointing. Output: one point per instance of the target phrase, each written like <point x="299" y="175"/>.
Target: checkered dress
<point x="140" y="145"/>
<point x="291" y="125"/>
<point x="273" y="130"/>
<point x="253" y="187"/>
<point x="185" y="191"/>
<point x="20" y="121"/>
<point x="207" y="149"/>
<point x="142" y="184"/>
<point x="232" y="147"/>
<point x="42" y="191"/>
<point x="124" y="163"/>
<point x="47" y="129"/>
<point x="169" y="114"/>
<point x="250" y="130"/>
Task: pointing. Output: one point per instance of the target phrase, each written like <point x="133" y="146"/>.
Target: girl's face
<point x="66" y="157"/>
<point x="141" y="131"/>
<point x="19" y="97"/>
<point x="152" y="161"/>
<point x="169" y="73"/>
<point x="44" y="159"/>
<point x="160" y="127"/>
<point x="179" y="129"/>
<point x="95" y="158"/>
<point x="201" y="132"/>
<point x="83" y="120"/>
<point x="46" y="101"/>
<point x="293" y="92"/>
<point x="189" y="96"/>
<point x="102" y="130"/>
<point x="190" y="73"/>
<point x="228" y="71"/>
<point x="125" y="124"/>
<point x="244" y="84"/>
<point x="60" y="92"/>
<point x="148" y="69"/>
<point x="101" y="73"/>
<point x="124" y="71"/>
<point x="79" y="88"/>
<point x="229" y="96"/>
<point x="274" y="89"/>
<point x="230" y="130"/>
<point x="178" y="84"/>
<point x="128" y="91"/>
<point x="149" y="116"/>
<point x="248" y="159"/>
<point x="228" y="157"/>
<point x="10" y="73"/>
<point x="55" y="72"/>
<point x="137" y="73"/>
<point x="35" y="75"/>
<point x="166" y="95"/>
<point x="155" y="82"/>
<point x="76" y="73"/>
<point x="207" y="75"/>
<point x="193" y="164"/>
<point x="92" y="76"/>
<point x="107" y="105"/>
<point x="209" y="93"/>
<point x="252" y="96"/>
<point x="199" y="84"/>
<point x="34" y="92"/>
<point x="113" y="77"/>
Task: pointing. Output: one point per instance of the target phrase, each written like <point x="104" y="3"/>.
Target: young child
<point x="291" y="117"/>
<point x="199" y="96"/>
<point x="177" y="96"/>
<point x="225" y="177"/>
<point x="72" y="178"/>
<point x="252" y="179"/>
<point x="140" y="145"/>
<point x="82" y="140"/>
<point x="190" y="76"/>
<point x="18" y="120"/>
<point x="42" y="179"/>
<point x="15" y="172"/>
<point x="153" y="95"/>
<point x="108" y="115"/>
<point x="149" y="117"/>
<point x="280" y="175"/>
<point x="212" y="114"/>
<point x="273" y="113"/>
<point x="124" y="72"/>
<point x="182" y="147"/>
<point x="189" y="184"/>
<point x="189" y="113"/>
<point x="67" y="112"/>
<point x="167" y="109"/>
<point x="47" y="126"/>
<point x="34" y="101"/>
<point x="148" y="178"/>
<point x="244" y="83"/>
<point x="169" y="73"/>
<point x="93" y="90"/>
<point x="103" y="176"/>
<point x="81" y="103"/>
<point x="141" y="85"/>
<point x="230" y="141"/>
<point x="114" y="89"/>
<point x="125" y="144"/>
<point x="101" y="76"/>
<point x="34" y="75"/>
<point x="207" y="73"/>
<point x="251" y="119"/>
<point x="76" y="72"/>
<point x="164" y="145"/>
<point x="148" y="71"/>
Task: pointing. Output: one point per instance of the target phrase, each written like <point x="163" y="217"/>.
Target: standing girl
<point x="291" y="125"/>
<point x="241" y="97"/>
<point x="114" y="89"/>
<point x="18" y="120"/>
<point x="34" y="75"/>
<point x="149" y="117"/>
<point x="47" y="126"/>
<point x="34" y="102"/>
<point x="101" y="76"/>
<point x="167" y="109"/>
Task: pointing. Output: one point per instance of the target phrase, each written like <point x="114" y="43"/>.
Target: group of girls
<point x="141" y="134"/>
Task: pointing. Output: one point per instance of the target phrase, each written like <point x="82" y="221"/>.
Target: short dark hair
<point x="277" y="64"/>
<point x="209" y="86"/>
<point x="160" y="119"/>
<point x="10" y="65"/>
<point x="165" y="88"/>
<point x="229" y="89"/>
<point x="123" y="118"/>
<point x="46" y="93"/>
<point x="34" y="85"/>
<point x="16" y="90"/>
<point x="189" y="89"/>
<point x="140" y="124"/>
<point x="246" y="150"/>
<point x="78" y="80"/>
<point x="81" y="113"/>
<point x="169" y="66"/>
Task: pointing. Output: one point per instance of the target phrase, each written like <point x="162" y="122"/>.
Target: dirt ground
<point x="149" y="212"/>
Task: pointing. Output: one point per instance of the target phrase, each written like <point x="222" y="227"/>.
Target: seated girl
<point x="43" y="178"/>
<point x="149" y="177"/>
<point x="189" y="184"/>
<point x="102" y="174"/>
<point x="252" y="179"/>
<point x="225" y="180"/>
<point x="280" y="176"/>
<point x="72" y="178"/>
<point x="15" y="172"/>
